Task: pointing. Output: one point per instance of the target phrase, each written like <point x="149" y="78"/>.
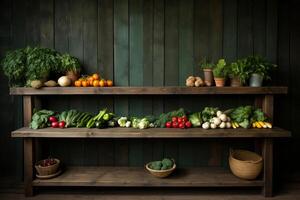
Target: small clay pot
<point x="220" y="82"/>
<point x="235" y="82"/>
<point x="73" y="75"/>
<point x="256" y="80"/>
<point x="208" y="76"/>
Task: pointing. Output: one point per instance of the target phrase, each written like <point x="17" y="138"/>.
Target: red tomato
<point x="179" y="119"/>
<point x="181" y="125"/>
<point x="188" y="124"/>
<point x="54" y="125"/>
<point x="174" y="119"/>
<point x="52" y="119"/>
<point x="184" y="118"/>
<point x="169" y="124"/>
<point x="62" y="124"/>
<point x="175" y="124"/>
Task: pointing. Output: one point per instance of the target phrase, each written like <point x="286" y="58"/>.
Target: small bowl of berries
<point x="47" y="167"/>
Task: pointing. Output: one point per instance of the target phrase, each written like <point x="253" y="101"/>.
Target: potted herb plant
<point x="220" y="73"/>
<point x="260" y="70"/>
<point x="14" y="67"/>
<point x="208" y="73"/>
<point x="71" y="66"/>
<point x="238" y="73"/>
<point x="40" y="62"/>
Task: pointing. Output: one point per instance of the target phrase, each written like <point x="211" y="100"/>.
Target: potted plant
<point x="14" y="67"/>
<point x="40" y="62"/>
<point x="71" y="66"/>
<point x="238" y="73"/>
<point x="260" y="70"/>
<point x="220" y="73"/>
<point x="208" y="74"/>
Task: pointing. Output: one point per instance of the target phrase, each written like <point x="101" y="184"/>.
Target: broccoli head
<point x="156" y="165"/>
<point x="167" y="163"/>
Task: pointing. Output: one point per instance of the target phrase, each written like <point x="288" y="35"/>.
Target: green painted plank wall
<point x="146" y="43"/>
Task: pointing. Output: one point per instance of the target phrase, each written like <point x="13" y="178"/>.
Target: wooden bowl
<point x="48" y="170"/>
<point x="161" y="173"/>
<point x="245" y="164"/>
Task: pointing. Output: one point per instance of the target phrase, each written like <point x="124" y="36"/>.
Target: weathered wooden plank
<point x="148" y="90"/>
<point x="259" y="27"/>
<point x="149" y="133"/>
<point x="271" y="30"/>
<point x="32" y="22"/>
<point x="47" y="23"/>
<point x="268" y="167"/>
<point x="138" y="177"/>
<point x="61" y="26"/>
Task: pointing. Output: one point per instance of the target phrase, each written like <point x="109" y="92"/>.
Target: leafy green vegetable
<point x="258" y="115"/>
<point x="40" y="119"/>
<point x="165" y="164"/>
<point x="196" y="119"/>
<point x="208" y="113"/>
<point x="165" y="117"/>
<point x="70" y="63"/>
<point x="242" y="115"/>
<point x="220" y="71"/>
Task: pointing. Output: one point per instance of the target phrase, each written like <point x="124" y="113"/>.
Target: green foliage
<point x="14" y="67"/>
<point x="221" y="69"/>
<point x="165" y="117"/>
<point x="156" y="165"/>
<point x="242" y="115"/>
<point x="205" y="64"/>
<point x="259" y="65"/>
<point x="196" y="119"/>
<point x="40" y="62"/>
<point x="165" y="164"/>
<point x="70" y="63"/>
<point x="239" y="69"/>
<point x="208" y="113"/>
<point x="40" y="119"/>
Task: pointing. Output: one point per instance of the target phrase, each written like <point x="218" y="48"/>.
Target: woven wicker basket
<point x="48" y="170"/>
<point x="161" y="173"/>
<point x="245" y="164"/>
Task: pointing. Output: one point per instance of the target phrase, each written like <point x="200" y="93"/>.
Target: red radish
<point x="179" y="119"/>
<point x="54" y="125"/>
<point x="62" y="124"/>
<point x="52" y="119"/>
<point x="184" y="118"/>
<point x="188" y="124"/>
<point x="175" y="124"/>
<point x="174" y="119"/>
<point x="169" y="124"/>
<point x="181" y="125"/>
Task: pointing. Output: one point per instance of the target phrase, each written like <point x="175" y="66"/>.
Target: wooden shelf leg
<point x="28" y="166"/>
<point x="268" y="167"/>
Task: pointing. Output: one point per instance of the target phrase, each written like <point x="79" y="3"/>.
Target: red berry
<point x="62" y="124"/>
<point x="52" y="119"/>
<point x="179" y="120"/>
<point x="169" y="124"/>
<point x="174" y="119"/>
<point x="188" y="124"/>
<point x="175" y="124"/>
<point x="184" y="118"/>
<point x="54" y="125"/>
<point x="181" y="125"/>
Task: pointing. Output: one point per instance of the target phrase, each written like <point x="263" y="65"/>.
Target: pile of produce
<point x="215" y="118"/>
<point x="208" y="118"/>
<point x="47" y="162"/>
<point x="192" y="81"/>
<point x="165" y="164"/>
<point x="93" y="80"/>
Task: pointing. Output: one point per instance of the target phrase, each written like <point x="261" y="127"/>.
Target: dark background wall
<point x="145" y="43"/>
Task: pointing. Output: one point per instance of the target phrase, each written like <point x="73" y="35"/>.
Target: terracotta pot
<point x="220" y="82"/>
<point x="235" y="82"/>
<point x="72" y="75"/>
<point x="208" y="77"/>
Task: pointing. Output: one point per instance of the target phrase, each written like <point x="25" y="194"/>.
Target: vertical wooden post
<point x="28" y="148"/>
<point x="258" y="142"/>
<point x="267" y="106"/>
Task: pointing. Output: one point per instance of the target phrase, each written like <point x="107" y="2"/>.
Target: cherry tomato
<point x="175" y="124"/>
<point x="188" y="124"/>
<point x="52" y="119"/>
<point x="184" y="118"/>
<point x="169" y="124"/>
<point x="54" y="125"/>
<point x="180" y="120"/>
<point x="181" y="125"/>
<point x="174" y="119"/>
<point x="62" y="124"/>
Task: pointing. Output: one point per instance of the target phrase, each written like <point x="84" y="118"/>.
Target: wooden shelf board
<point x="147" y="90"/>
<point x="139" y="177"/>
<point x="149" y="133"/>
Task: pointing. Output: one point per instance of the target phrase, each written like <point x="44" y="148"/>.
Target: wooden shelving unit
<point x="137" y="177"/>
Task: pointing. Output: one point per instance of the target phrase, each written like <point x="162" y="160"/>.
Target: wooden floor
<point x="290" y="193"/>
